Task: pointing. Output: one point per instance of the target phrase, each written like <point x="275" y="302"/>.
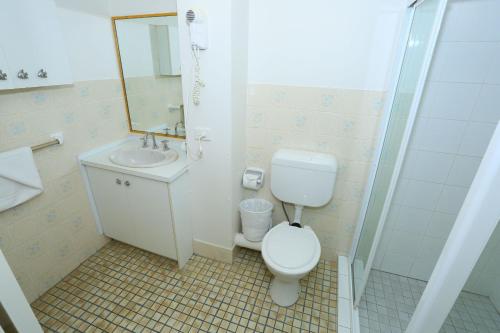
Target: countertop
<point x="99" y="158"/>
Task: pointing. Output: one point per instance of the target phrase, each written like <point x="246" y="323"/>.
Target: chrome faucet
<point x="145" y="140"/>
<point x="155" y="145"/>
<point x="177" y="126"/>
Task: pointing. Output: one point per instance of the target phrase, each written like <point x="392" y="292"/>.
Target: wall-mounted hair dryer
<point x="198" y="35"/>
<point x="197" y="28"/>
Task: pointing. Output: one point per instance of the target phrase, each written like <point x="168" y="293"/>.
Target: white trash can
<point x="255" y="218"/>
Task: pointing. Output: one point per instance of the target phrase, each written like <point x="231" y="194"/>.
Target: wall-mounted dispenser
<point x="253" y="178"/>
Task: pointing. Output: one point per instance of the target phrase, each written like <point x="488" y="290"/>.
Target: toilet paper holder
<point x="253" y="178"/>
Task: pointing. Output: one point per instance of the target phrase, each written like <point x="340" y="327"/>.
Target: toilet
<point x="305" y="179"/>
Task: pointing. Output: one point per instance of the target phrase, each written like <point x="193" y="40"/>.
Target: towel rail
<point x="46" y="144"/>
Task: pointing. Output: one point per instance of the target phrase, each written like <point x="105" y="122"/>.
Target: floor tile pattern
<point x="390" y="300"/>
<point x="125" y="289"/>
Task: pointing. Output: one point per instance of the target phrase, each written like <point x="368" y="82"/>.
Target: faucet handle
<point x="165" y="145"/>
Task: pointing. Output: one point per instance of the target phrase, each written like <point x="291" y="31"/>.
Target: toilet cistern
<point x="303" y="178"/>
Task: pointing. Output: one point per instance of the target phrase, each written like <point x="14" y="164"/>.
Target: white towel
<point x="19" y="178"/>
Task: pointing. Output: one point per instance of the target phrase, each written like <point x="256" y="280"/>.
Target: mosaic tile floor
<point x="125" y="289"/>
<point x="390" y="300"/>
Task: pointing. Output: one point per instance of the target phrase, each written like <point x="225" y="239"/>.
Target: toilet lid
<point x="290" y="247"/>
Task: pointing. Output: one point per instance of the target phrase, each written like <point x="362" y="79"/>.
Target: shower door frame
<point x="422" y="78"/>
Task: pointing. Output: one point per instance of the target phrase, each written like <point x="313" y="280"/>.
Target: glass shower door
<point x="424" y="16"/>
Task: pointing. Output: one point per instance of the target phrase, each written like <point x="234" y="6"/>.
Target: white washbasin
<point x="142" y="158"/>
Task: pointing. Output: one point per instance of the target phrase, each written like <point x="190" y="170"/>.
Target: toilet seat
<point x="291" y="250"/>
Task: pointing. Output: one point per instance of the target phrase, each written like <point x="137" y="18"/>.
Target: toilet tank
<point x="303" y="178"/>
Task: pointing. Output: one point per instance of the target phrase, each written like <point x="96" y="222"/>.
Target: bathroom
<point x="132" y="133"/>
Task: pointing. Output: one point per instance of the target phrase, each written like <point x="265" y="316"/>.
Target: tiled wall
<point x="48" y="236"/>
<point x="459" y="111"/>
<point x="336" y="121"/>
<point x="154" y="101"/>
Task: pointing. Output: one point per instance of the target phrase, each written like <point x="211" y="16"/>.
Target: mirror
<point x="149" y="57"/>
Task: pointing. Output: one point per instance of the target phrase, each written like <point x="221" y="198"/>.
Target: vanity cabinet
<point x="32" y="52"/>
<point x="139" y="211"/>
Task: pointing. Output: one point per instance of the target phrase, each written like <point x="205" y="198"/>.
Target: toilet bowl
<point x="289" y="253"/>
<point x="305" y="179"/>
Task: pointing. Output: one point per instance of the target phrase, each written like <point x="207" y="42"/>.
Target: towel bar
<point x="46" y="144"/>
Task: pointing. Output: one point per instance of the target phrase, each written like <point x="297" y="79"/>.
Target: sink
<point x="142" y="158"/>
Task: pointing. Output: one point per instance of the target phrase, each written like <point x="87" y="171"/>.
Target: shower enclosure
<point x="444" y="107"/>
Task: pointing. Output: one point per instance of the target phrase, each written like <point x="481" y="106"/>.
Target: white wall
<point x="88" y="32"/>
<point x="223" y="69"/>
<point x="317" y="75"/>
<point x="458" y="114"/>
<point x="239" y="80"/>
<point x="323" y="43"/>
<point x="216" y="190"/>
<point x="91" y="55"/>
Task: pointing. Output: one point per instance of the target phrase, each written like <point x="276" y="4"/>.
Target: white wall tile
<point x="412" y="220"/>
<point x="404" y="243"/>
<point x="431" y="248"/>
<point x="440" y="224"/>
<point x="493" y="76"/>
<point x="420" y="194"/>
<point x="461" y="62"/>
<point x="451" y="199"/>
<point x="476" y="138"/>
<point x="427" y="165"/>
<point x="487" y="108"/>
<point x="438" y="135"/>
<point x="422" y="268"/>
<point x="397" y="263"/>
<point x="449" y="100"/>
<point x="471" y="21"/>
<point x="463" y="171"/>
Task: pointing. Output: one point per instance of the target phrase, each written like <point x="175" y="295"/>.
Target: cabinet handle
<point x="118" y="181"/>
<point x="22" y="75"/>
<point x="3" y="76"/>
<point x="42" y="74"/>
<point x="127" y="183"/>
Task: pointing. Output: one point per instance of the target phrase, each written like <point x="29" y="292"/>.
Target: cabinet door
<point x="112" y="205"/>
<point x="150" y="210"/>
<point x="5" y="73"/>
<point x="49" y="52"/>
<point x="15" y="29"/>
<point x="32" y="40"/>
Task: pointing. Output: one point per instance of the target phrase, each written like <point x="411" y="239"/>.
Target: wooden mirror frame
<point x="120" y="66"/>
